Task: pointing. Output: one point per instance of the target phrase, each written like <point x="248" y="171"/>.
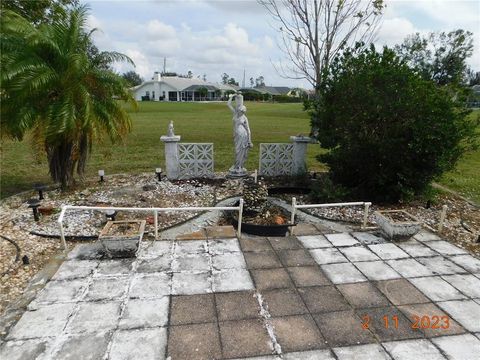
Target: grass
<point x="198" y="122"/>
<point x="143" y="151"/>
<point x="465" y="178"/>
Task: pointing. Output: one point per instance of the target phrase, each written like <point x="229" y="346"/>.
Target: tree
<point x="225" y="78"/>
<point x="232" y="81"/>
<point x="314" y="32"/>
<point x="51" y="87"/>
<point x="132" y="78"/>
<point x="203" y="92"/>
<point x="439" y="56"/>
<point x="38" y="11"/>
<point x="389" y="131"/>
<point x="473" y="77"/>
<point x="252" y="82"/>
<point x="260" y="81"/>
<point x="204" y="77"/>
<point x="189" y="74"/>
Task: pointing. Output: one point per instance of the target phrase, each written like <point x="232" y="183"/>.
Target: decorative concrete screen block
<point x="195" y="160"/>
<point x="276" y="159"/>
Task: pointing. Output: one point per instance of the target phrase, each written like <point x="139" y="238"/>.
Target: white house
<point x="174" y="88"/>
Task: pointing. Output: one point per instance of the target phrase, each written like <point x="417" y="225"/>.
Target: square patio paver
<point x="195" y="341"/>
<point x="222" y="246"/>
<point x="262" y="260"/>
<point x="307" y="276"/>
<point x="361" y="352"/>
<point x="343" y="328"/>
<point x="192" y="309"/>
<point x="266" y="279"/>
<point x="297" y="333"/>
<point x="358" y="253"/>
<point x="282" y="302"/>
<point x="440" y="266"/>
<point x="363" y="295"/>
<point x="244" y="338"/>
<point x="306" y="355"/>
<point x="145" y="313"/>
<point x="446" y="248"/>
<point x="401" y="292"/>
<point x="314" y="241"/>
<point x="191" y="262"/>
<point x="190" y="247"/>
<point x="421" y="349"/>
<point x="285" y="243"/>
<point x="342" y="239"/>
<point x="467" y="284"/>
<point x="367" y="238"/>
<point x="410" y="268"/>
<point x="299" y="257"/>
<point x="377" y="270"/>
<point x="327" y="256"/>
<point x="153" y="285"/>
<point x="234" y="260"/>
<point x="107" y="288"/>
<point x="388" y="251"/>
<point x="323" y="299"/>
<point x="459" y="347"/>
<point x="94" y="317"/>
<point x="24" y="349"/>
<point x="188" y="283"/>
<point x="60" y="291"/>
<point x="467" y="262"/>
<point x="89" y="346"/>
<point x="153" y="249"/>
<point x="237" y="306"/>
<point x="417" y="249"/>
<point x="231" y="280"/>
<point x="378" y="325"/>
<point x="74" y="269"/>
<point x="465" y="312"/>
<point x="125" y="344"/>
<point x="436" y="288"/>
<point x="255" y="244"/>
<point x="114" y="267"/>
<point x="158" y="264"/>
<point x="46" y="321"/>
<point x="343" y="273"/>
<point x="445" y="326"/>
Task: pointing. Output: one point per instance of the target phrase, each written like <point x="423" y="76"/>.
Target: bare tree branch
<point x="314" y="31"/>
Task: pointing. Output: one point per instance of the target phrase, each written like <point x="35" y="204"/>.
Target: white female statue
<point x="241" y="135"/>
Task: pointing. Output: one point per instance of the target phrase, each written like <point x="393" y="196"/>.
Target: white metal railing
<point x="155" y="211"/>
<point x="366" y="206"/>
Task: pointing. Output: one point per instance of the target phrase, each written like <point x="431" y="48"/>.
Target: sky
<point x="213" y="37"/>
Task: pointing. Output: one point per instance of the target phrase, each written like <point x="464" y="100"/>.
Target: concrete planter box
<point x="121" y="239"/>
<point x="397" y="224"/>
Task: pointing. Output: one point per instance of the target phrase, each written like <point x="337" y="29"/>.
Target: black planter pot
<point x="261" y="230"/>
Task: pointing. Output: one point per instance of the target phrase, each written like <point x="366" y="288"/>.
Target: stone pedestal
<point x="171" y="155"/>
<point x="299" y="152"/>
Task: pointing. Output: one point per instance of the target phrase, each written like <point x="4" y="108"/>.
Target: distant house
<point x="269" y="90"/>
<point x="175" y="88"/>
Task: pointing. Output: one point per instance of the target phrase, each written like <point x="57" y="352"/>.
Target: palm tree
<point x="52" y="86"/>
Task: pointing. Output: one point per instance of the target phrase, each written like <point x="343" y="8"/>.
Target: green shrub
<point x="389" y="132"/>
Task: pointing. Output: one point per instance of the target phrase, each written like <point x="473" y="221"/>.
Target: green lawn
<point x="143" y="151"/>
<point x="197" y="122"/>
<point x="465" y="179"/>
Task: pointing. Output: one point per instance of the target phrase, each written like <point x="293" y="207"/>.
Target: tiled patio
<point x="300" y="297"/>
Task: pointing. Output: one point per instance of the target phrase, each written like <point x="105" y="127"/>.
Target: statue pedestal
<point x="234" y="173"/>
<point x="171" y="155"/>
<point x="299" y="151"/>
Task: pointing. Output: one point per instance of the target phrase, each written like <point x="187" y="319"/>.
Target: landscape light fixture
<point x="101" y="173"/>
<point x="40" y="188"/>
<point x="158" y="171"/>
<point x="110" y="215"/>
<point x="34" y="204"/>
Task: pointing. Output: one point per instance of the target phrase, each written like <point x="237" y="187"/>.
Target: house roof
<point x="187" y="84"/>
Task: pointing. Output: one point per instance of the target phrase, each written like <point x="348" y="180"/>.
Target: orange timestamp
<point x="417" y="322"/>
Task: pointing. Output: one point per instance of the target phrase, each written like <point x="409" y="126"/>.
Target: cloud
<point x="394" y="30"/>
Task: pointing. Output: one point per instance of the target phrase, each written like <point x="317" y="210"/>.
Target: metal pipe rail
<point x="366" y="206"/>
<point x="155" y="211"/>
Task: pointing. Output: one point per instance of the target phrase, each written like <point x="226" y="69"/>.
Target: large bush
<point x="390" y="132"/>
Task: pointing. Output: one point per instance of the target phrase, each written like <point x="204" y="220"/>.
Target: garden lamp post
<point x="34" y="204"/>
<point x="158" y="171"/>
<point x="101" y="173"/>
